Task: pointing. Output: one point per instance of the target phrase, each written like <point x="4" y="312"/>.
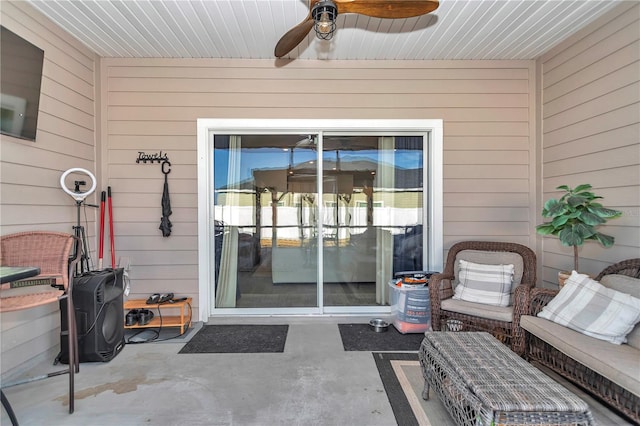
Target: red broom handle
<point x="103" y="197"/>
<point x="113" y="250"/>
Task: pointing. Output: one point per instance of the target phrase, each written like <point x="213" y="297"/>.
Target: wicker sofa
<point x="609" y="371"/>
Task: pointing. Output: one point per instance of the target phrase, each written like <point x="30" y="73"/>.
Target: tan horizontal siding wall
<point x="30" y="193"/>
<point x="591" y="121"/>
<point x="152" y="106"/>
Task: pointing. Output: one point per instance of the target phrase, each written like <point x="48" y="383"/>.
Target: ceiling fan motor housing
<point x="324" y="14"/>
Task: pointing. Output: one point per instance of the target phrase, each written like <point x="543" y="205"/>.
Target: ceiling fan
<point x="322" y="17"/>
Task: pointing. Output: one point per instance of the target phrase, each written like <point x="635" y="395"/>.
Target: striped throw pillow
<point x="488" y="284"/>
<point x="586" y="306"/>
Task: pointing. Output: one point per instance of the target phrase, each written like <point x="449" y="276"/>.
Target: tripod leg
<point x="77" y="249"/>
<point x="85" y="251"/>
<point x="80" y="246"/>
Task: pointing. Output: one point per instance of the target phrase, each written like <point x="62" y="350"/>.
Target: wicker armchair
<point x="50" y="252"/>
<point x="542" y="352"/>
<point x="503" y="323"/>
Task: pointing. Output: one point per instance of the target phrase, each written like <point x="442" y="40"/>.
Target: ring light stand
<point x="79" y="197"/>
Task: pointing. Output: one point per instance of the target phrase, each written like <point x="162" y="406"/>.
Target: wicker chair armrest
<point x="629" y="267"/>
<point x="439" y="290"/>
<point x="521" y="297"/>
<point x="521" y="300"/>
<point x="440" y="287"/>
<point x="538" y="299"/>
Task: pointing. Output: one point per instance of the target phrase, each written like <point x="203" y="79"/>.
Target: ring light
<point x="78" y="196"/>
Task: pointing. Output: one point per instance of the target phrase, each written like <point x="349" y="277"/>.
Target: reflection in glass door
<point x="372" y="217"/>
<point x="265" y="210"/>
<point x="275" y="223"/>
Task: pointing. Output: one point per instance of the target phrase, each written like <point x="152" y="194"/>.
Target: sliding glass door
<point x="315" y="220"/>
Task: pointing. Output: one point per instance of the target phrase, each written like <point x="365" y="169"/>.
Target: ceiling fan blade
<point x="392" y="9"/>
<point x="293" y="37"/>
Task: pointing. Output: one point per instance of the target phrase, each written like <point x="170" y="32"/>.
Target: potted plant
<point x="575" y="217"/>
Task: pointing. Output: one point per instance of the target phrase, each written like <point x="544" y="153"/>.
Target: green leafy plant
<point x="574" y="218"/>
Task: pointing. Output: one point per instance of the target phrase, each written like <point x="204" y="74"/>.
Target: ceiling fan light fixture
<point x="324" y="14"/>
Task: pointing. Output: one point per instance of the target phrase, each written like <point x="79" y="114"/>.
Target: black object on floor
<point x="237" y="339"/>
<point x="97" y="296"/>
<point x="397" y="398"/>
<point x="361" y="337"/>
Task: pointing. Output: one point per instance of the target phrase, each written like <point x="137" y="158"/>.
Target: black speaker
<point x="97" y="297"/>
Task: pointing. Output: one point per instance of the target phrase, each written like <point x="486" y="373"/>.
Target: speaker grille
<point x="111" y="323"/>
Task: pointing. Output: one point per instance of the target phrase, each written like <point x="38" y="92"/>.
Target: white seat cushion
<point x="620" y="364"/>
<point x="499" y="313"/>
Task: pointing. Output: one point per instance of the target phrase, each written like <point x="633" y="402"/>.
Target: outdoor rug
<point x="237" y="339"/>
<point x="360" y="337"/>
<point x="402" y="380"/>
<point x="401" y="377"/>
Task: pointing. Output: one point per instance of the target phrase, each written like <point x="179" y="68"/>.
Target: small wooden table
<point x="482" y="382"/>
<point x="183" y="320"/>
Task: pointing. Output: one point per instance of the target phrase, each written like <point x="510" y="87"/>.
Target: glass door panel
<point x="265" y="211"/>
<point x="372" y="198"/>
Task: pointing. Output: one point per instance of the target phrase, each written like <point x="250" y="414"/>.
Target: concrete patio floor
<point x="313" y="382"/>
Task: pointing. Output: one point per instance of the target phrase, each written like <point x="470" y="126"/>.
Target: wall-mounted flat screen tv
<point x="20" y="80"/>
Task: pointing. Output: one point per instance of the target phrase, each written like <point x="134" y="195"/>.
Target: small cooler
<point x="410" y="302"/>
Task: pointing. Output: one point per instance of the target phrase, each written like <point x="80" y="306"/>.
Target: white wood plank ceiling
<point x="250" y="29"/>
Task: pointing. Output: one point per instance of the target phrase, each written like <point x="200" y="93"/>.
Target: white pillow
<point x="488" y="284"/>
<point x="590" y="308"/>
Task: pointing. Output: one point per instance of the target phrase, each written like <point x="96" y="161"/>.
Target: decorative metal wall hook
<point x="168" y="169"/>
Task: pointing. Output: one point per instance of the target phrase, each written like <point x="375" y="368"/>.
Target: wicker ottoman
<point x="482" y="382"/>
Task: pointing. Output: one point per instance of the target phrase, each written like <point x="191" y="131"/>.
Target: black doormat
<point x="396" y="392"/>
<point x="360" y="337"/>
<point x="237" y="339"/>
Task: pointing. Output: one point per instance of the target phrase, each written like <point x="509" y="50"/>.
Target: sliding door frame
<point x="432" y="133"/>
